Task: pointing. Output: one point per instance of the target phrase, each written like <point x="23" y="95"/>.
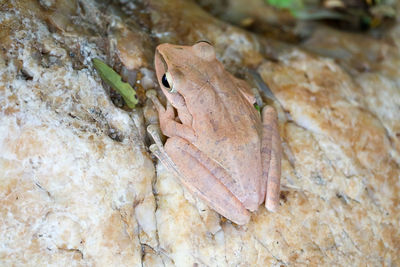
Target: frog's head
<point x="183" y="68"/>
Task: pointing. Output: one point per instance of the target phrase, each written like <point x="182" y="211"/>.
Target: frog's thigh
<point x="271" y="154"/>
<point x="200" y="181"/>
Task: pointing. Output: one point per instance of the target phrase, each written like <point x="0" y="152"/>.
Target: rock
<point x="79" y="187"/>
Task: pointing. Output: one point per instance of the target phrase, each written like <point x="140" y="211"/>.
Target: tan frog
<point x="219" y="146"/>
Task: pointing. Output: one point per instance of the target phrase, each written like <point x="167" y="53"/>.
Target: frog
<point x="222" y="149"/>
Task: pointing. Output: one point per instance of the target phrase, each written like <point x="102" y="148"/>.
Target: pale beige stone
<point x="78" y="187"/>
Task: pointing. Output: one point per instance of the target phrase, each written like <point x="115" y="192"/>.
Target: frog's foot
<point x="169" y="126"/>
<point x="271" y="153"/>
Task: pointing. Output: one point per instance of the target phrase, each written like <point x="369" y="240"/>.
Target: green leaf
<point x="257" y="107"/>
<point x="289" y="4"/>
<point x="113" y="79"/>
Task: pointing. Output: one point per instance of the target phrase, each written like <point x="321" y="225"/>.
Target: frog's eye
<point x="166" y="80"/>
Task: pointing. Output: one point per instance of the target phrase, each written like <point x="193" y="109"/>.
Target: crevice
<point x="352" y="241"/>
<point x="165" y="254"/>
<point x="156" y="199"/>
<point x="142" y="244"/>
<point x="123" y="215"/>
<point x="142" y="252"/>
<point x="24" y="75"/>
<point x="43" y="189"/>
<point x="269" y="251"/>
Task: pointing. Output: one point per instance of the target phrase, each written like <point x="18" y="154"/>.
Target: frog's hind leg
<point x="201" y="180"/>
<point x="271" y="153"/>
<point x="185" y="161"/>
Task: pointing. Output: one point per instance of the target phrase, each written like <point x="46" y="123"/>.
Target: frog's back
<point x="229" y="129"/>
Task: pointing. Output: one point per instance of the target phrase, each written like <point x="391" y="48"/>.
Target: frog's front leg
<point x="271" y="153"/>
<point x="168" y="125"/>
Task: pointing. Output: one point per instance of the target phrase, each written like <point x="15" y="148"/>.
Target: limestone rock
<point x="79" y="187"/>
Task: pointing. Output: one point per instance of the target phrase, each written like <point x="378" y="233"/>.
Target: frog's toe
<point x="151" y="93"/>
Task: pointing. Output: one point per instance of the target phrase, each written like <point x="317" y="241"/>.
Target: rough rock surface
<point x="79" y="188"/>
